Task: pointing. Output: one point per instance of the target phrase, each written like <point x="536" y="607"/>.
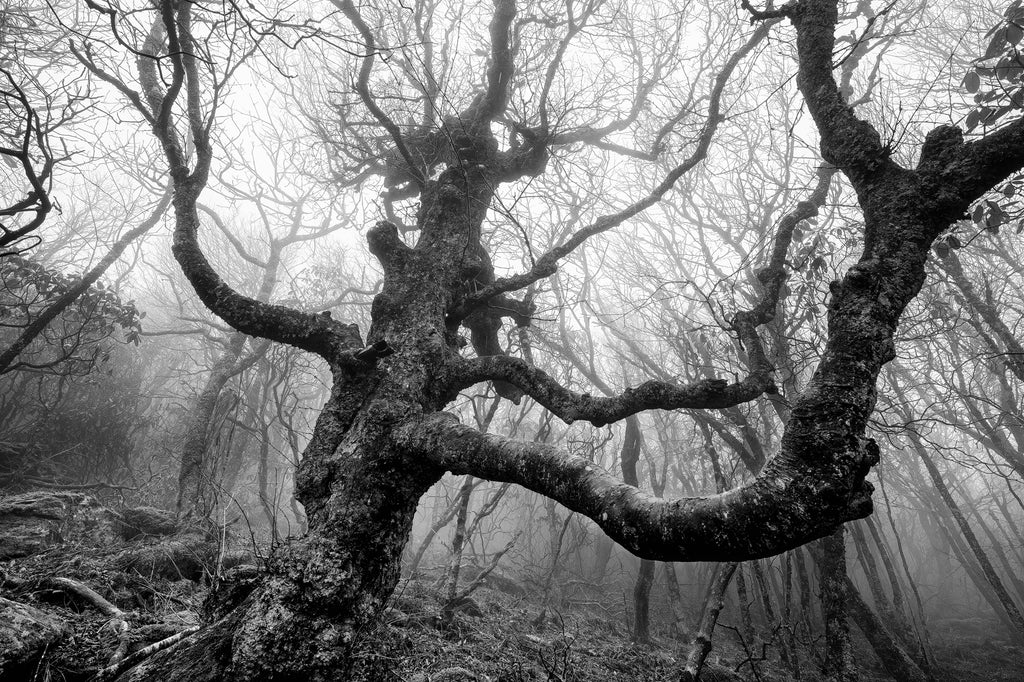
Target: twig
<point x="479" y="580"/>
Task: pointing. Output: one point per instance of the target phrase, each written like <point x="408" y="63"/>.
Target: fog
<point x="560" y="340"/>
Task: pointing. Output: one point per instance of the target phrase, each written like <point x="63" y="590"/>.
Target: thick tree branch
<point x="318" y="334"/>
<point x="314" y="333"/>
<point x="571" y="406"/>
<point x="499" y="72"/>
<point x="848" y="142"/>
<point x="981" y="164"/>
<point x="789" y="504"/>
<point x="709" y="393"/>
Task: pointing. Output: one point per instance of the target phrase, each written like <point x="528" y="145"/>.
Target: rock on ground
<point x="25" y="634"/>
<point x="33" y="522"/>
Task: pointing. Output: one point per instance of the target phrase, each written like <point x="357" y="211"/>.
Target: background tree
<point x="473" y="157"/>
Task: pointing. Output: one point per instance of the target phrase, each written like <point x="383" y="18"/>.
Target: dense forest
<point x="452" y="340"/>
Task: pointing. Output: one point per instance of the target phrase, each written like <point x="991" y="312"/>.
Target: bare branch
<point x="546" y="265"/>
<point x="571" y="406"/>
<point x="848" y="142"/>
<point x="799" y="500"/>
<point x="499" y="72"/>
<point x="363" y="88"/>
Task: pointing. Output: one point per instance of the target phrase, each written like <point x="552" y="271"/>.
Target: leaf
<point x="995" y="218"/>
<point x="1013" y="33"/>
<point x="995" y="47"/>
<point x="978" y="213"/>
<point x="955" y="243"/>
<point x="1009" y="189"/>
<point x="972" y="81"/>
<point x="972" y="120"/>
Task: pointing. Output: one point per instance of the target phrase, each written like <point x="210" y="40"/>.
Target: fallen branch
<point x="113" y="670"/>
<point x="116" y="615"/>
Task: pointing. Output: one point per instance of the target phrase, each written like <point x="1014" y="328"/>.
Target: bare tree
<point x="384" y="437"/>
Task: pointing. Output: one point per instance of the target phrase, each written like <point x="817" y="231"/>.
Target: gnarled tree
<point x="384" y="437"/>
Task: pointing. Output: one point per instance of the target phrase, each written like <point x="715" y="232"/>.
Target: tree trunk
<point x="446" y="516"/>
<point x="831" y="561"/>
<point x="714" y="602"/>
<point x="450" y="582"/>
<point x="383" y="437"/>
<point x="893" y="656"/>
<point x="628" y="458"/>
<point x="839" y="596"/>
<point x="746" y="622"/>
<point x="194" y="478"/>
<point x="678" y="626"/>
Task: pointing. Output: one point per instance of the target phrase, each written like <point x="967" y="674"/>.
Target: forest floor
<point x="502" y="641"/>
<point x="497" y="637"/>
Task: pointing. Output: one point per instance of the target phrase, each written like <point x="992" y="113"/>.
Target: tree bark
<point x="383" y="437"/>
<point x="831" y="559"/>
<point x="628" y="458"/>
<point x="714" y="602"/>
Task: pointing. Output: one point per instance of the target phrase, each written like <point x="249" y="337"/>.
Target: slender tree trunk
<point x="641" y="601"/>
<point x="678" y="626"/>
<point x="628" y="459"/>
<point x="806" y="602"/>
<point x="969" y="562"/>
<point x="435" y="528"/>
<point x="602" y="555"/>
<point x="771" y="618"/>
<point x="194" y="498"/>
<point x="746" y="622"/>
<point x="870" y="568"/>
<point x="997" y="549"/>
<point x="556" y="540"/>
<point x="451" y="581"/>
<point x="894" y="657"/>
<point x="267" y="501"/>
<point x="714" y="602"/>
<point x="839" y="597"/>
<point x="833" y="582"/>
<point x="787" y="615"/>
<point x="903" y="622"/>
